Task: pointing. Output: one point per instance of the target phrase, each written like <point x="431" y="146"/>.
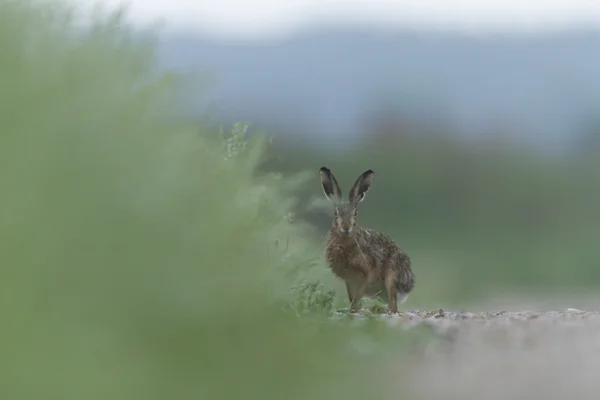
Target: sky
<point x="256" y="19"/>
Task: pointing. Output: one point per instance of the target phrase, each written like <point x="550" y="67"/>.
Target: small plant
<point x="234" y="141"/>
<point x="311" y="296"/>
<point x="308" y="293"/>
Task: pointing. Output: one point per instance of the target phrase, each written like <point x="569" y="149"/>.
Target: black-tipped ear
<point x="361" y="186"/>
<point x="330" y="185"/>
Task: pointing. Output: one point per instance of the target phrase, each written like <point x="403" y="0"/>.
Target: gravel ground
<point x="504" y="355"/>
<point x="510" y="355"/>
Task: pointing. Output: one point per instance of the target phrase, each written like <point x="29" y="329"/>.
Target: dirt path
<point x="508" y="355"/>
<point x="502" y="355"/>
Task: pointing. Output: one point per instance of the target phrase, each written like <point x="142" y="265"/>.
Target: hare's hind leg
<point x="392" y="292"/>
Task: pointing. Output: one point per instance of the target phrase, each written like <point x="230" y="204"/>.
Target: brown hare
<point x="368" y="261"/>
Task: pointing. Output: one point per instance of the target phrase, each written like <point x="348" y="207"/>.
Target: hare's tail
<point x="406" y="283"/>
<point x="401" y="297"/>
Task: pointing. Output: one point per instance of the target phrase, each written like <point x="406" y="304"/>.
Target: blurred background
<point x="480" y="119"/>
<point x="161" y="219"/>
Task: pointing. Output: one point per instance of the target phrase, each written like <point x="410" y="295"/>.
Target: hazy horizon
<point x="262" y="19"/>
<point x="525" y="70"/>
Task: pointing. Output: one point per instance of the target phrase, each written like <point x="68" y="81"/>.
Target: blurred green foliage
<point x="140" y="259"/>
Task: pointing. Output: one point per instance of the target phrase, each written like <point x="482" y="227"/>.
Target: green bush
<point x="139" y="259"/>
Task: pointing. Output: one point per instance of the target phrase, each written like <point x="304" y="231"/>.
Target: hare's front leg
<point x="351" y="289"/>
<point x="360" y="290"/>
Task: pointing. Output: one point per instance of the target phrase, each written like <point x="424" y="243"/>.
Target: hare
<point x="368" y="261"/>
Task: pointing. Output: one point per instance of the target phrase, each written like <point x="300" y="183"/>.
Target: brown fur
<point x="368" y="261"/>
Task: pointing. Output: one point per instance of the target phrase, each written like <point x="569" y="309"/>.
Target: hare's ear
<point x="330" y="186"/>
<point x="361" y="186"/>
